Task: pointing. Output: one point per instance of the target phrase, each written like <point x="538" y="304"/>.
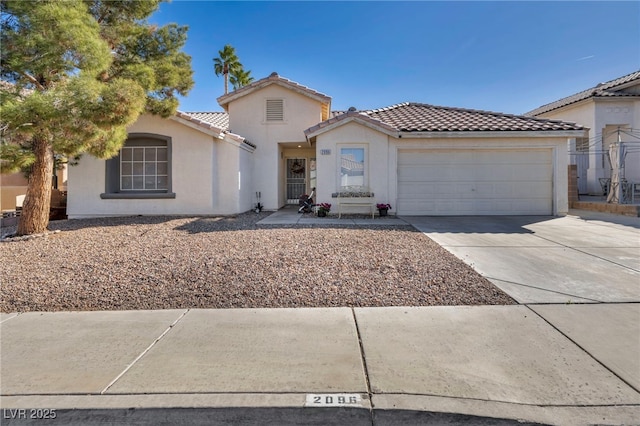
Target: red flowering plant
<point x="383" y="206"/>
<point x="326" y="207"/>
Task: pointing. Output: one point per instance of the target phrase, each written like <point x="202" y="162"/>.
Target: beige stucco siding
<point x="247" y="118"/>
<point x="377" y="160"/>
<point x="204" y="177"/>
<point x="381" y="153"/>
<point x="246" y="193"/>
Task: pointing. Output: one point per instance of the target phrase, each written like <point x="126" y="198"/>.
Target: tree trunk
<point x="35" y="209"/>
<point x="225" y="72"/>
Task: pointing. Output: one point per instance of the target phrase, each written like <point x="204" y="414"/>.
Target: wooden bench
<point x="355" y="195"/>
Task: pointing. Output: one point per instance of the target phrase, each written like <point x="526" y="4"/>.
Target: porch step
<point x="622" y="209"/>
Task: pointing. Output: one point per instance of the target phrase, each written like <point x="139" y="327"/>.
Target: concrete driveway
<point x="580" y="258"/>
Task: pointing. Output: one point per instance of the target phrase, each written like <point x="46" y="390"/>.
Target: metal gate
<point x="582" y="163"/>
<point x="581" y="160"/>
<point x="296" y="179"/>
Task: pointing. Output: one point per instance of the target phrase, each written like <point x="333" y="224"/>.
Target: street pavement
<point x="568" y="354"/>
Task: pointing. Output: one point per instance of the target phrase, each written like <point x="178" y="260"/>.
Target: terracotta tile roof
<point x="609" y="89"/>
<point x="417" y="117"/>
<point x="217" y="119"/>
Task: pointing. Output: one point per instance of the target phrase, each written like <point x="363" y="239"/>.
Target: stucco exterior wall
<point x="247" y="196"/>
<point x="377" y="161"/>
<point x="602" y="117"/>
<point x="382" y="158"/>
<point x="199" y="188"/>
<point x="247" y="118"/>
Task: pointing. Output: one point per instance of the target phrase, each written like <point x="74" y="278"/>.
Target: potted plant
<point x="383" y="208"/>
<point x="323" y="209"/>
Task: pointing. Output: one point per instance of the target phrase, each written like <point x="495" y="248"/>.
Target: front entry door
<point x="296" y="179"/>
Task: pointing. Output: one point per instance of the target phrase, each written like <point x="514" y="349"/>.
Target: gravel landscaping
<point x="231" y="262"/>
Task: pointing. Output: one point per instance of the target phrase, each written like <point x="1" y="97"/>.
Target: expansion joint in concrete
<point x="144" y="352"/>
<point x="585" y="350"/>
<point x="364" y="364"/>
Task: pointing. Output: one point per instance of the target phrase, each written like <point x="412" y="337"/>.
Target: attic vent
<point x="275" y="110"/>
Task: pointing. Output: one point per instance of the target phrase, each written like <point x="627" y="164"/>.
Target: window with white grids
<point x="274" y="110"/>
<point x="144" y="168"/>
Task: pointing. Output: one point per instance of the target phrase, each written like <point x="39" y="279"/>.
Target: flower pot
<point x="322" y="213"/>
<point x="383" y="212"/>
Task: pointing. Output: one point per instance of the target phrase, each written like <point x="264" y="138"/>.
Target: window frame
<point x="145" y="171"/>
<point x="365" y="159"/>
<point x="113" y="176"/>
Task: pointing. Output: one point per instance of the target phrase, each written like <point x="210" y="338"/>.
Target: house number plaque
<point x="333" y="400"/>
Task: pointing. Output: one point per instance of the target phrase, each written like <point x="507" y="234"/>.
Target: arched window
<point x="142" y="169"/>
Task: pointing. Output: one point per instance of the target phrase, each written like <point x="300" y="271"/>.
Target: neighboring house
<point x="611" y="111"/>
<point x="280" y="139"/>
<point x="13" y="188"/>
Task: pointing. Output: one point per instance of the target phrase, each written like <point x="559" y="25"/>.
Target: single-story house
<point x="611" y="112"/>
<point x="279" y="139"/>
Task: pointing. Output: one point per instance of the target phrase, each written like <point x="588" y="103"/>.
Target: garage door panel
<point x="474" y="182"/>
<point x="421" y="174"/>
<point x="537" y="172"/>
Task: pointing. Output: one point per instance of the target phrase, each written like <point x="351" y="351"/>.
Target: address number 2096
<point x="333" y="400"/>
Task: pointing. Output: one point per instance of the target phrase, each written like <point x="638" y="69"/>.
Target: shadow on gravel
<point x="75" y="224"/>
<point x="249" y="221"/>
<point x="198" y="224"/>
<point x="252" y="416"/>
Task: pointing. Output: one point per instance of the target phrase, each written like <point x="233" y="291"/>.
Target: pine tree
<point x="74" y="75"/>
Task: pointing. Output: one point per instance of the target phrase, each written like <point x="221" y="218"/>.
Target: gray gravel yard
<point x="231" y="262"/>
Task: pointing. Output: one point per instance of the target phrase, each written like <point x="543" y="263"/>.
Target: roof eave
<point x="341" y="121"/>
<point x="225" y="100"/>
<point x="495" y="134"/>
<point x="198" y="125"/>
<point x="592" y="98"/>
<point x="239" y="141"/>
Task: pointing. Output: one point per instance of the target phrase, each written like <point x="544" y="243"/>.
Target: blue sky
<point x="504" y="56"/>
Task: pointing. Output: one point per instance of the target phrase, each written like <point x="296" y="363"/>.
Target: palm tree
<point x="226" y="63"/>
<point x="240" y="78"/>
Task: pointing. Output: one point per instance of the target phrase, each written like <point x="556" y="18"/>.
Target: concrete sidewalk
<point x="550" y="364"/>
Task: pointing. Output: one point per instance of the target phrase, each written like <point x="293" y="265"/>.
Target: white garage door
<point x="475" y="182"/>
